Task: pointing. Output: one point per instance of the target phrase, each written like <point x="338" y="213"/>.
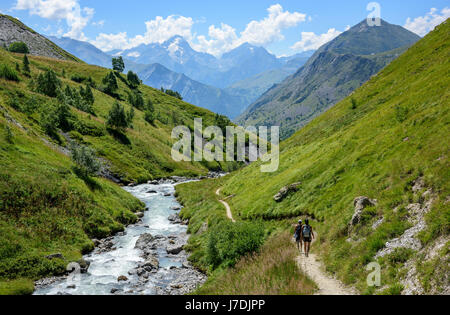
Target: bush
<point x="19" y="47"/>
<point x="133" y="79"/>
<point x="229" y="241"/>
<point x="110" y="84"/>
<point x="8" y="73"/>
<point x="84" y="157"/>
<point x="26" y="66"/>
<point x="118" y="118"/>
<point x="48" y="83"/>
<point x="136" y="100"/>
<point x="149" y="117"/>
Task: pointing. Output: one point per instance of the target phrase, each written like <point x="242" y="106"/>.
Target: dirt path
<point x="327" y="285"/>
<point x="227" y="206"/>
<point x="311" y="266"/>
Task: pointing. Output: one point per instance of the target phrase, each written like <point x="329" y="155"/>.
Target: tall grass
<point x="272" y="271"/>
<point x="7" y="73"/>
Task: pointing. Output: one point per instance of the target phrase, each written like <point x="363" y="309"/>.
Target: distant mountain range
<point x="157" y="75"/>
<point x="332" y="73"/>
<point x="225" y="85"/>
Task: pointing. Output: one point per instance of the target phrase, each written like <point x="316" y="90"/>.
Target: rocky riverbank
<point x="147" y="258"/>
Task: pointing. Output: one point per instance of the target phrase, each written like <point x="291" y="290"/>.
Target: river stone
<point x="150" y="263"/>
<point x="84" y="265"/>
<point x="174" y="249"/>
<point x="143" y="241"/>
<point x="122" y="278"/>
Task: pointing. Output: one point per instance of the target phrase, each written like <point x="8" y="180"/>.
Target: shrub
<point x="110" y="84"/>
<point x="118" y="118"/>
<point x="149" y="117"/>
<point x="133" y="79"/>
<point x="48" y="83"/>
<point x="229" y="241"/>
<point x="78" y="78"/>
<point x="136" y="100"/>
<point x="8" y="73"/>
<point x="26" y="65"/>
<point x="19" y="47"/>
<point x="84" y="157"/>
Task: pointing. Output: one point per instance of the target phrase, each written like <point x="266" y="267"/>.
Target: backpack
<point x="307" y="231"/>
<point x="297" y="232"/>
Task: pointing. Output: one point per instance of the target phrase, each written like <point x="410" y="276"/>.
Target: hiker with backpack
<point x="298" y="235"/>
<point x="308" y="236"/>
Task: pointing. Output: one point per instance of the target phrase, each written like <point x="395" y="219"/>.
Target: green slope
<point x="46" y="205"/>
<point x="395" y="131"/>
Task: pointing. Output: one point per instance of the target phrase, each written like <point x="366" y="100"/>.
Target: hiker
<point x="298" y="235"/>
<point x="308" y="236"/>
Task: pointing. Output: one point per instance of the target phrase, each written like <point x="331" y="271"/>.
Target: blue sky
<point x="284" y="27"/>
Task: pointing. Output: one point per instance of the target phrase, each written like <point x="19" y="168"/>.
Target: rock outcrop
<point x="360" y="204"/>
<point x="285" y="191"/>
<point x="12" y="30"/>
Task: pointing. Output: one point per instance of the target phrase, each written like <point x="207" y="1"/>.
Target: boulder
<point x="122" y="278"/>
<point x="174" y="249"/>
<point x="175" y="219"/>
<point x="140" y="215"/>
<point x="84" y="265"/>
<point x="360" y="204"/>
<point x="152" y="192"/>
<point x="151" y="263"/>
<point x="176" y="208"/>
<point x="143" y="241"/>
<point x="285" y="191"/>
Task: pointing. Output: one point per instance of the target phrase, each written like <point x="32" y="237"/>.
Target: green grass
<point x="271" y="271"/>
<point x="396" y="134"/>
<point x="46" y="205"/>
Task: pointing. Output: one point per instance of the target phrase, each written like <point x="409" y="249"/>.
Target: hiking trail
<point x="227" y="206"/>
<point x="327" y="285"/>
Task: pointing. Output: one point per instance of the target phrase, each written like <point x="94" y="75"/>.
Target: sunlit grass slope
<point x="375" y="143"/>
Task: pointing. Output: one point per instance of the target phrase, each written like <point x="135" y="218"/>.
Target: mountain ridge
<point x="302" y="96"/>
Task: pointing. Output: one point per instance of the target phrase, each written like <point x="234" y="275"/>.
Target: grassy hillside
<point x="376" y="143"/>
<point x="47" y="205"/>
<point x="331" y="74"/>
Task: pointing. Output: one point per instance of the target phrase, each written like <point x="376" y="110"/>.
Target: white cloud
<point x="77" y="18"/>
<point x="270" y="29"/>
<point x="107" y="42"/>
<point x="100" y="23"/>
<point x="311" y="41"/>
<point x="219" y="39"/>
<point x="422" y="25"/>
<point x="258" y="33"/>
<point x="134" y="54"/>
<point x="157" y="31"/>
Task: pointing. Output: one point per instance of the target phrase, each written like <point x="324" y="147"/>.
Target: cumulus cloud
<point x="311" y="41"/>
<point x="258" y="33"/>
<point x="422" y="25"/>
<point x="77" y="18"/>
<point x="270" y="29"/>
<point x="157" y="31"/>
<point x="219" y="39"/>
